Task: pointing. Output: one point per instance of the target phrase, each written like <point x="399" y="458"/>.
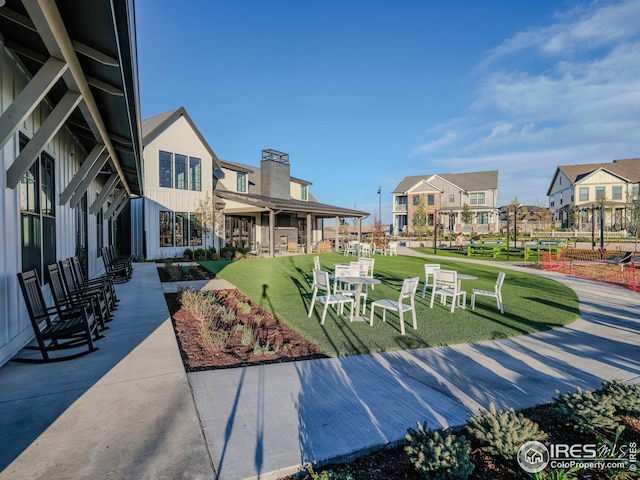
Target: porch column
<point x="272" y="233"/>
<point x="309" y="233"/>
<point x="337" y="233"/>
<point x="359" y="229"/>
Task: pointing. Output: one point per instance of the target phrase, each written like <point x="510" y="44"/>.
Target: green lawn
<point x="282" y="285"/>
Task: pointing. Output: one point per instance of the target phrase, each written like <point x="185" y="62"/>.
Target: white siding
<point x="15" y="327"/>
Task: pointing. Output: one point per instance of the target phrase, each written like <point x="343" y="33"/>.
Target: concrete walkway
<point x="127" y="411"/>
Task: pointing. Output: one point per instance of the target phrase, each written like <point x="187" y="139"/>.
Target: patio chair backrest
<point x="33" y="297"/>
<point x="316" y="262"/>
<point x="321" y="280"/>
<point x="56" y="284"/>
<point x="500" y="281"/>
<point x="409" y="287"/>
<point x="445" y="279"/>
<point x="370" y="263"/>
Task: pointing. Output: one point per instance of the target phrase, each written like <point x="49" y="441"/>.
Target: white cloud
<point x="561" y="94"/>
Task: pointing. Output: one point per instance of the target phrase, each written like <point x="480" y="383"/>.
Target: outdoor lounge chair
<point x="100" y="292"/>
<point x="64" y="300"/>
<point x="321" y="284"/>
<point x="408" y="291"/>
<point x="120" y="272"/>
<point x="446" y="285"/>
<point x="55" y="329"/>
<point x="103" y="281"/>
<point x="496" y="293"/>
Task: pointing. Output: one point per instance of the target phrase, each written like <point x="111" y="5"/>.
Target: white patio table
<point x="359" y="282"/>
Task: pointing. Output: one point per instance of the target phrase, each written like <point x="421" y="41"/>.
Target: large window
<point x="195" y="228"/>
<point x="166" y="169"/>
<point x="182" y="229"/>
<point x="431" y="199"/>
<point x="241" y="182"/>
<point x="37" y="208"/>
<point x="476" y="198"/>
<point x="616" y="193"/>
<point x="195" y="175"/>
<point x="584" y="194"/>
<point x="166" y="229"/>
<point x="483" y="218"/>
<point x="600" y="193"/>
<point x="181" y="172"/>
<point x="303" y="192"/>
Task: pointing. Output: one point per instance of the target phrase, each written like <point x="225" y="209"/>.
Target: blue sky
<point x="361" y="94"/>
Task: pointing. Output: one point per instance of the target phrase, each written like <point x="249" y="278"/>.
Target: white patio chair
<point x="352" y="248"/>
<point x="408" y="291"/>
<point x="365" y="249"/>
<point x="496" y="293"/>
<point x="321" y="284"/>
<point x="446" y="285"/>
<point x="428" y="276"/>
<point x="316" y="262"/>
<point x="370" y="263"/>
<point x="340" y="287"/>
<point x="392" y="248"/>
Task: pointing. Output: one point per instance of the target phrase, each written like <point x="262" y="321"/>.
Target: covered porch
<point x="270" y="226"/>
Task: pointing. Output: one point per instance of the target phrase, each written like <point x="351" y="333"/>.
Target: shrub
<point x="502" y="433"/>
<point x="585" y="411"/>
<point x="330" y="474"/>
<point x="211" y="252"/>
<point x="244" y="308"/>
<point x="247" y="335"/>
<point x="260" y="350"/>
<point x="174" y="272"/>
<point x="212" y="339"/>
<point x="187" y="254"/>
<point x="625" y="397"/>
<point x="201" y="304"/>
<point x="200" y="254"/>
<point x="436" y="456"/>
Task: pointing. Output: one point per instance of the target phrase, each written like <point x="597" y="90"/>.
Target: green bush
<point x="438" y="457"/>
<point x="187" y="254"/>
<point x="625" y="397"/>
<point x="502" y="433"/>
<point x="585" y="411"/>
<point x="344" y="474"/>
<point x="211" y="252"/>
<point x="200" y="254"/>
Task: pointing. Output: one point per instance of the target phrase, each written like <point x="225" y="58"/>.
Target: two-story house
<point x="266" y="208"/>
<point x="577" y="193"/>
<point x="178" y="174"/>
<point x="443" y="199"/>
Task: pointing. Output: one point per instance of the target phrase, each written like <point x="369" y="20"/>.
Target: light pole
<point x="380" y="204"/>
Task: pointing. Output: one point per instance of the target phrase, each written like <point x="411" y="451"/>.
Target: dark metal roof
<point x="102" y="33"/>
<point x="290" y="205"/>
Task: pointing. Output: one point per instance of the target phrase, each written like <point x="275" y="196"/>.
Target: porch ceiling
<point x="95" y="39"/>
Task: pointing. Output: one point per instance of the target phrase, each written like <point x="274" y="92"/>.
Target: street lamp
<point x="380" y="204"/>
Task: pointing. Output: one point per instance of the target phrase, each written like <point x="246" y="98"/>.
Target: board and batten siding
<point x="15" y="326"/>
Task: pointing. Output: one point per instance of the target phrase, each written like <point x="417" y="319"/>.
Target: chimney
<point x="275" y="174"/>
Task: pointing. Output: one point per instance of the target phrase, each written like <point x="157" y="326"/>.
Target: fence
<point x="599" y="265"/>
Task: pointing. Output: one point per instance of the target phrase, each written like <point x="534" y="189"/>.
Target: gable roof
<point x="153" y="126"/>
<point x="628" y="169"/>
<point x="465" y="181"/>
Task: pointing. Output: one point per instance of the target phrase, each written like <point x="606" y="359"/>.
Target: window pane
<point x="584" y="194"/>
<point x="196" y="230"/>
<point x="28" y="190"/>
<point x="600" y="192"/>
<point x="181" y="172"/>
<point x="182" y="229"/>
<point x="100" y="231"/>
<point x="195" y="182"/>
<point x="241" y="182"/>
<point x="617" y="193"/>
<point x="431" y="200"/>
<point x="452" y="198"/>
<point x="166" y="229"/>
<point x="48" y="240"/>
<point x="166" y="170"/>
<point x="31" y="243"/>
<point x="48" y="187"/>
<point x="303" y="192"/>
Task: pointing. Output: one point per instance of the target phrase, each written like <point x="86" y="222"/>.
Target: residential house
<point x="577" y="193"/>
<point x="70" y="140"/>
<point x="178" y="175"/>
<point x="443" y="198"/>
<point x="265" y="208"/>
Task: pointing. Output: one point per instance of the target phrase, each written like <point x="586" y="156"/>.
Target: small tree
<point x="419" y="218"/>
<point x="467" y="214"/>
<point x="211" y="217"/>
<point x="516" y="209"/>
